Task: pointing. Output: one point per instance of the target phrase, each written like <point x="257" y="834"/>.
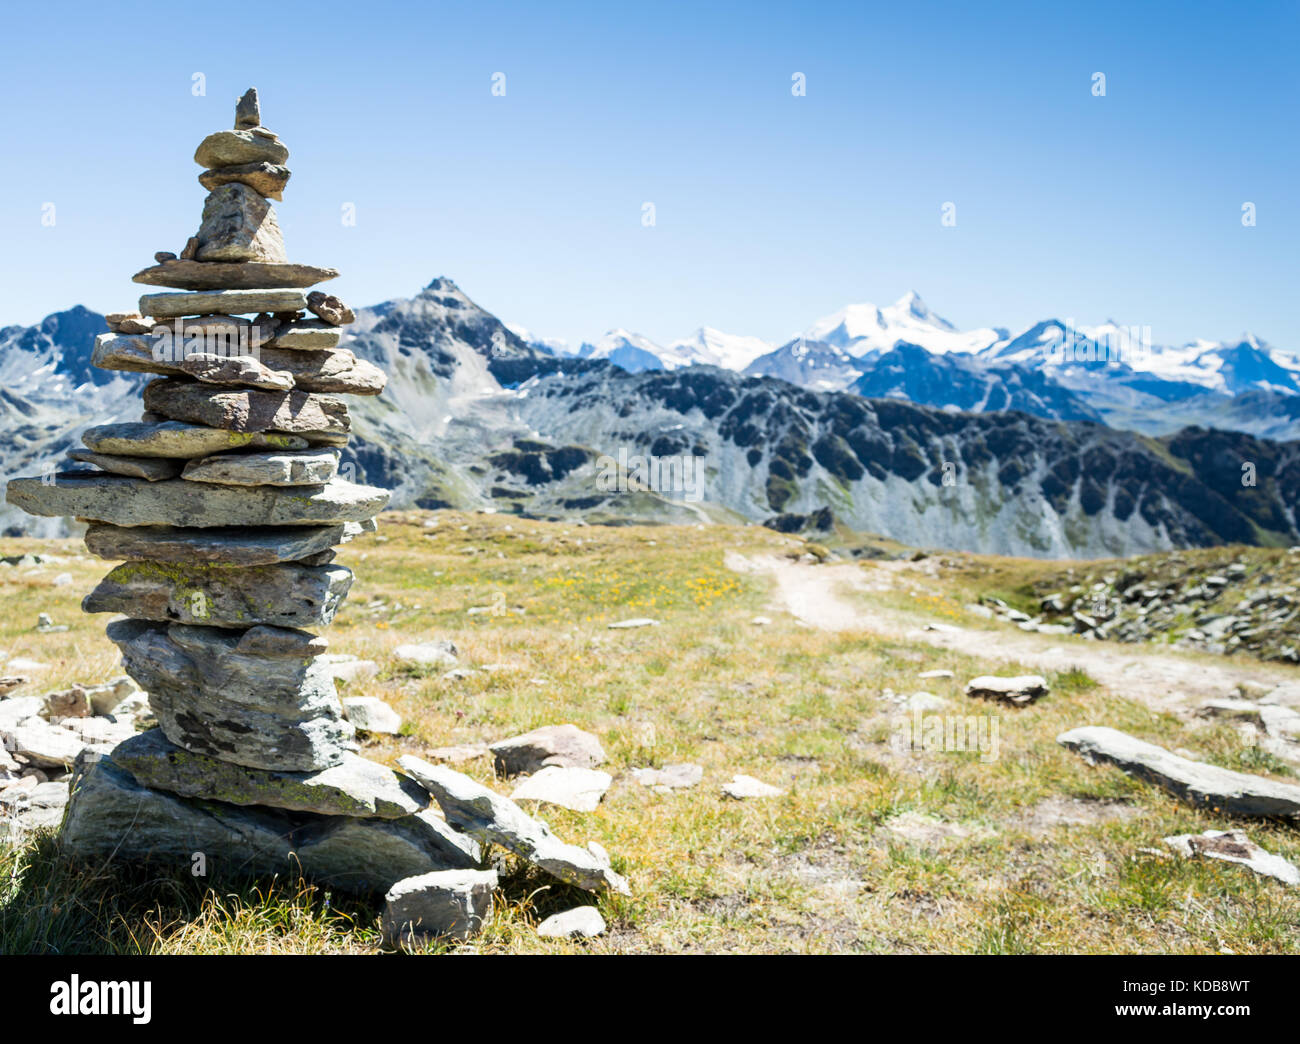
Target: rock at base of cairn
<point x="112" y="816"/>
<point x="444" y="904"/>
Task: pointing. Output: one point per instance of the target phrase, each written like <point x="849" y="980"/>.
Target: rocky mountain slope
<point x="475" y="417"/>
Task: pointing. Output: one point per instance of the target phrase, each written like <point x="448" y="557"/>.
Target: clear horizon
<point x="771" y="210"/>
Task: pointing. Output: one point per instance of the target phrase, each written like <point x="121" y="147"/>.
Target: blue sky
<point x="771" y="210"/>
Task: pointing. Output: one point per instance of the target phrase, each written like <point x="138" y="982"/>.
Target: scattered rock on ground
<point x="1019" y="690"/>
<point x="579" y="789"/>
<point x="1233" y="846"/>
<point x="1209" y="786"/>
<point x="440" y="654"/>
<point x="582" y="920"/>
<point x="371" y="714"/>
<point x="487" y="816"/>
<point x="742" y="787"/>
<point x="565" y="746"/>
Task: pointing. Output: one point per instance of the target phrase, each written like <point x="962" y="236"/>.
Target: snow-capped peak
<point x="710" y="347"/>
<point x="862" y="328"/>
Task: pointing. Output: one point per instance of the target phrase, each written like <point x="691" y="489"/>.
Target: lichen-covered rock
<point x="354" y="787"/>
<point x="286" y="595"/>
<point x="181" y="441"/>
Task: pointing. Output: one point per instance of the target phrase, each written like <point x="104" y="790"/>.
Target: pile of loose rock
<point x="223" y="504"/>
<point x="1246" y="603"/>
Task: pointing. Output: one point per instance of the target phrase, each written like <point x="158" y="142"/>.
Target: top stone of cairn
<point x="248" y="113"/>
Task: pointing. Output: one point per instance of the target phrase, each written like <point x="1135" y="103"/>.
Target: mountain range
<point x="893" y="420"/>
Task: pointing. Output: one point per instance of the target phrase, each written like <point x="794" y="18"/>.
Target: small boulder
<point x="582" y="920"/>
<point x="564" y="746"/>
<point x="579" y="789"/>
<point x="742" y="787"/>
<point x="1019" y="690"/>
<point x="371" y="714"/>
<point x="437" y="653"/>
<point x="1233" y="846"/>
<point x="447" y="903"/>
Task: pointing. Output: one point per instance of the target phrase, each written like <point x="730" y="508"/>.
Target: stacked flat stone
<point x="223" y="504"/>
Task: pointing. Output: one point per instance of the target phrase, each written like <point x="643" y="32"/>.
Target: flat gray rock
<point x="246" y="410"/>
<point x="151" y="469"/>
<point x="112" y="816"/>
<point x="305" y="334"/>
<point x="247" y="275"/>
<point x="266" y="179"/>
<point x="223" y="302"/>
<point x="1209" y="786"/>
<point x="294" y="468"/>
<point x="448" y="903"/>
<point x="175" y="440"/>
<point x="123" y="501"/>
<point x="322" y="369"/>
<point x="229" y="148"/>
<point x="354" y="787"/>
<point x="44" y="745"/>
<point x="487" y="816"/>
<point x="370" y="855"/>
<point x="564" y="746"/>
<point x="255" y="698"/>
<point x="285" y="595"/>
<point x="239" y="225"/>
<point x="241" y="370"/>
<point x="219" y="546"/>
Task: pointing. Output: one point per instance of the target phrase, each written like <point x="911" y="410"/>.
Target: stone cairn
<point x="223" y="504"/>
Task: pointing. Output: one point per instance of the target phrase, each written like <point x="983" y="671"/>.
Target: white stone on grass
<point x="582" y="920"/>
<point x="578" y="789"/>
<point x="742" y="787"/>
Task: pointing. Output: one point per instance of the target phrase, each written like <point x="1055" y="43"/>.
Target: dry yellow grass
<point x="868" y="850"/>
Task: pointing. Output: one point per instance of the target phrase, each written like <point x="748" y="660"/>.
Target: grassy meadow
<point x="870" y="849"/>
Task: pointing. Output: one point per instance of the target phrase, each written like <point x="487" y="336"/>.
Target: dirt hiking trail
<point x="836" y="597"/>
